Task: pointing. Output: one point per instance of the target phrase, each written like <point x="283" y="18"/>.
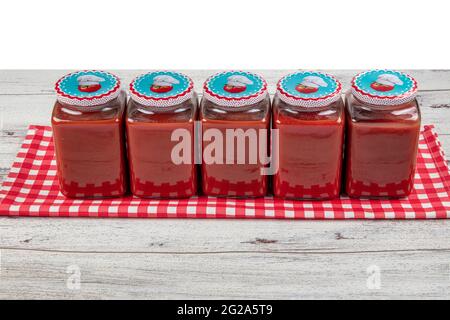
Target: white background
<point x="205" y="34"/>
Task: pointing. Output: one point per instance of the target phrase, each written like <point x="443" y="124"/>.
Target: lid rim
<point x="162" y="102"/>
<point x="310" y="103"/>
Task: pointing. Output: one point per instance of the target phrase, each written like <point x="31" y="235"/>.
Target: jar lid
<point x="384" y="87"/>
<point x="235" y="88"/>
<point x="309" y="89"/>
<point x="161" y="88"/>
<point x="87" y="88"/>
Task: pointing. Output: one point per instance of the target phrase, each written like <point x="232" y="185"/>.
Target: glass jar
<point x="160" y="133"/>
<point x="383" y="125"/>
<point x="87" y="123"/>
<point x="308" y="112"/>
<point x="235" y="118"/>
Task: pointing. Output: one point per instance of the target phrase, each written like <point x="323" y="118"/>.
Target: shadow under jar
<point x="383" y="126"/>
<point x="308" y="112"/>
<point x="160" y="133"/>
<point x="87" y="122"/>
<point x="235" y="117"/>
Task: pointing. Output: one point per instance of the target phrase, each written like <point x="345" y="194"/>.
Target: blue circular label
<point x="161" y="84"/>
<point x="309" y="85"/>
<point x="384" y="83"/>
<point x="235" y="84"/>
<point x="86" y="84"/>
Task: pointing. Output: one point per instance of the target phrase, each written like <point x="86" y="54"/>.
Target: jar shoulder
<point x="284" y="113"/>
<point x="183" y="112"/>
<point x="357" y="111"/>
<point x="111" y="111"/>
<point x="258" y="112"/>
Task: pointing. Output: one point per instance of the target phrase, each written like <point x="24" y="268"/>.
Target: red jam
<point x="383" y="125"/>
<point x="161" y="104"/>
<point x="87" y="123"/>
<point x="235" y="113"/>
<point x="308" y="113"/>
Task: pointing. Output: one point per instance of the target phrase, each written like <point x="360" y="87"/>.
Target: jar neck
<point x="302" y="108"/>
<point x="93" y="108"/>
<point x="374" y="107"/>
<point x="165" y="109"/>
<point x="212" y="104"/>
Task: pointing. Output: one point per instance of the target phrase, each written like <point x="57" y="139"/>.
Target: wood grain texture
<point x="151" y="259"/>
<point x="223" y="259"/>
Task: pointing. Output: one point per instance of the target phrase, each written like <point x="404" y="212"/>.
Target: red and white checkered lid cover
<point x="235" y="88"/>
<point x="384" y="87"/>
<point x="88" y="88"/>
<point x="309" y="89"/>
<point x="161" y="89"/>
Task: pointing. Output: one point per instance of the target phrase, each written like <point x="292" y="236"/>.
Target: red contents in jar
<point x="381" y="150"/>
<point x="90" y="150"/>
<point x="381" y="146"/>
<point x="308" y="114"/>
<point x="310" y="151"/>
<point x="152" y="169"/>
<point x="235" y="116"/>
<point x="160" y="123"/>
<point x="235" y="179"/>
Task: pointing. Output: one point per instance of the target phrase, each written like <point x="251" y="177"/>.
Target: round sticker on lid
<point x="235" y="88"/>
<point x="87" y="88"/>
<point x="309" y="89"/>
<point x="161" y="88"/>
<point x="384" y="87"/>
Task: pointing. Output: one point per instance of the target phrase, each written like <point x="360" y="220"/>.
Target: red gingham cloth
<point x="31" y="189"/>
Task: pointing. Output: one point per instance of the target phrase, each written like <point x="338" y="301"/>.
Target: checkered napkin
<point x="31" y="189"/>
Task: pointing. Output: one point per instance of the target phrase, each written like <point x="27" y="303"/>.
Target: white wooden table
<point x="158" y="259"/>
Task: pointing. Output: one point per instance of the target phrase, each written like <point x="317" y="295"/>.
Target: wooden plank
<point x="224" y="235"/>
<point x="223" y="259"/>
<point x="17" y="112"/>
<point x="41" y="82"/>
<point x="43" y="275"/>
<point x="10" y="142"/>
